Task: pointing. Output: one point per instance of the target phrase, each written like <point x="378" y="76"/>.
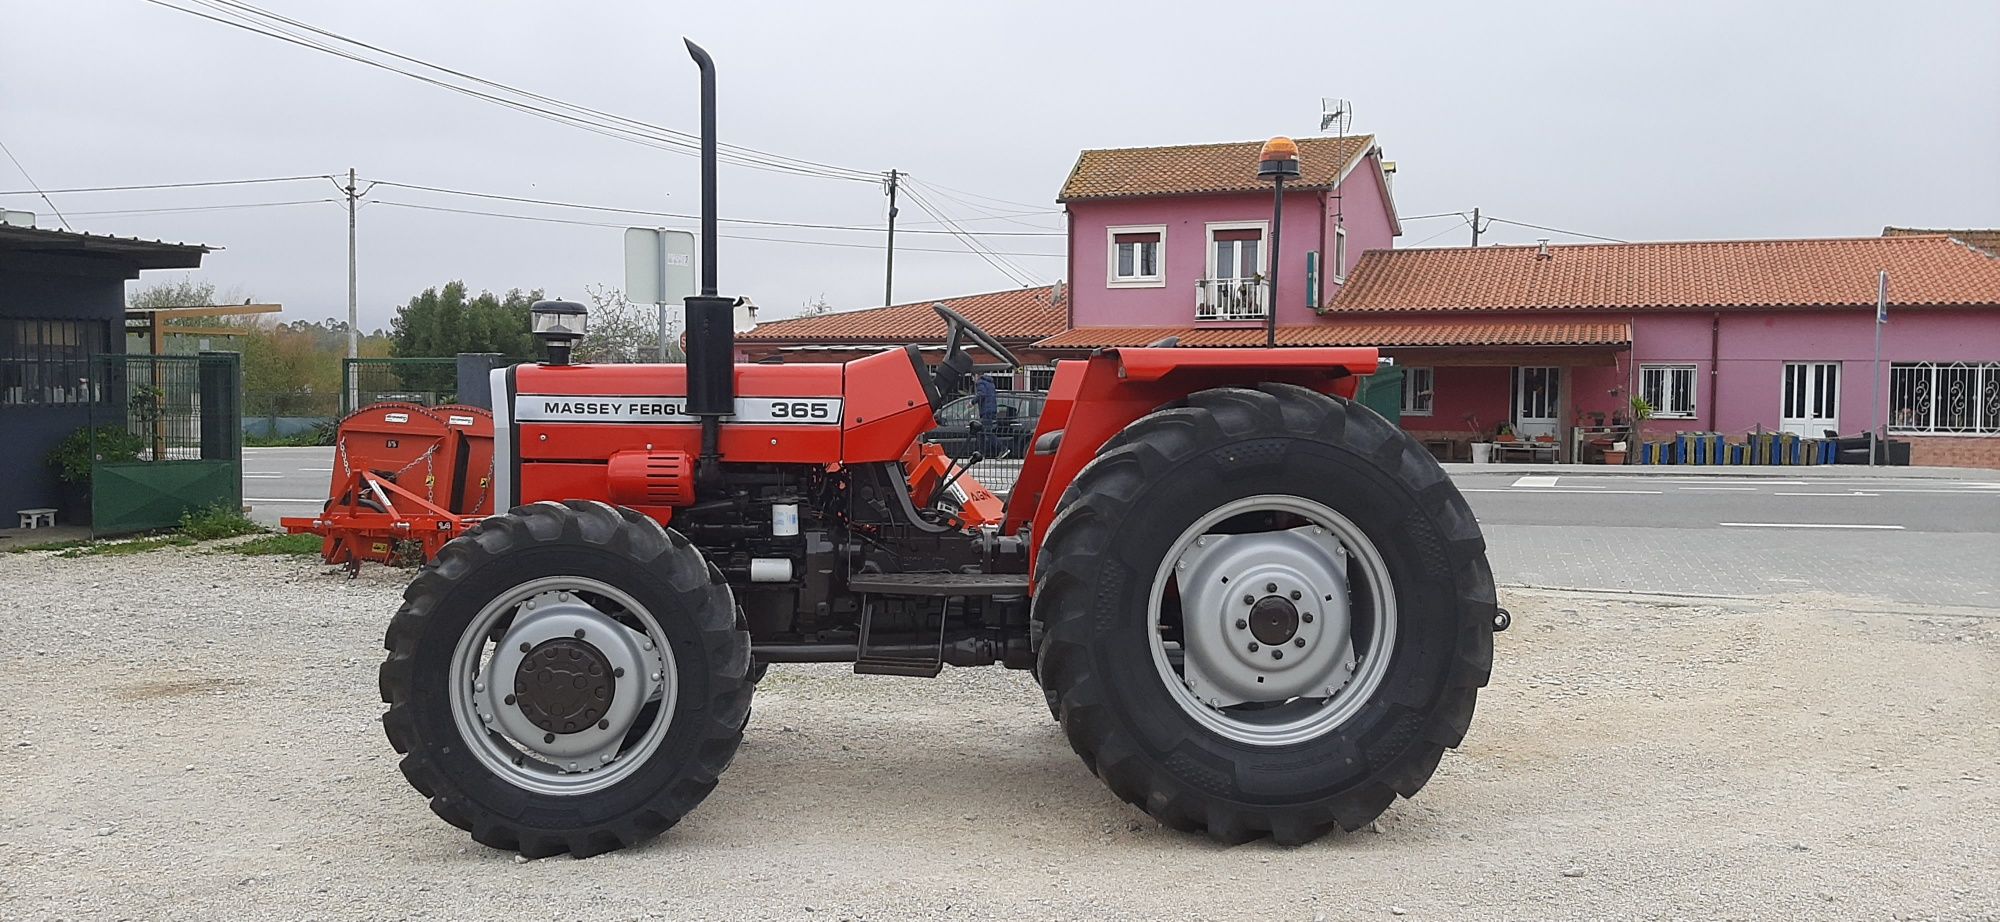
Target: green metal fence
<point x="427" y="381"/>
<point x="166" y="438"/>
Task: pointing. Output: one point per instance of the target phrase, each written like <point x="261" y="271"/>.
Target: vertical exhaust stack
<point x="711" y="330"/>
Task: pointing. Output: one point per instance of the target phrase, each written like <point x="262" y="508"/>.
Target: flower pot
<point x="1614" y="456"/>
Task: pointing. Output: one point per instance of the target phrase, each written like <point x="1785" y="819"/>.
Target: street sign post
<point x="659" y="269"/>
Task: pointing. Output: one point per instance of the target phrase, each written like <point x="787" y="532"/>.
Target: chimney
<point x="17" y="218"/>
<point x="1542" y="248"/>
<point x="1389" y="175"/>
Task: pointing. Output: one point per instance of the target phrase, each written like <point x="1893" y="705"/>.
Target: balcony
<point x="1231" y="299"/>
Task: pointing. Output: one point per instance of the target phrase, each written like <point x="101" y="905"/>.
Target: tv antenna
<point x="1335" y="115"/>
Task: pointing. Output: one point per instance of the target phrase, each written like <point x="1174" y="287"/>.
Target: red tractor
<point x="1255" y="607"/>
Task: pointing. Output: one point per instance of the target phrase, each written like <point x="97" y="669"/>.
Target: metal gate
<point x="426" y="381"/>
<point x="166" y="438"/>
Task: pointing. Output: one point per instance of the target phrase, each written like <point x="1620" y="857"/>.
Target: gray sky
<point x="1642" y="121"/>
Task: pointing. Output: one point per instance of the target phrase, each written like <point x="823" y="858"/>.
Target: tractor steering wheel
<point x="957" y="324"/>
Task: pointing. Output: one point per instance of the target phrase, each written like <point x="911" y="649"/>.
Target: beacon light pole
<point x="1277" y="162"/>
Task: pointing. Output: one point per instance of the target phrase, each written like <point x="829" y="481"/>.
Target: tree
<point x="444" y="322"/>
<point x="621" y="331"/>
<point x="187" y="291"/>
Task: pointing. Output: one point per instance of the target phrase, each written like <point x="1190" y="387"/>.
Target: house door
<point x="1812" y="399"/>
<point x="1536" y="392"/>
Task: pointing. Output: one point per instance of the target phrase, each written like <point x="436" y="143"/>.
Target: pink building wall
<point x="1752" y="348"/>
<point x="1308" y="228"/>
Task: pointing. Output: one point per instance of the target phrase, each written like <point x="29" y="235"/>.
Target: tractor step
<point x="939" y="584"/>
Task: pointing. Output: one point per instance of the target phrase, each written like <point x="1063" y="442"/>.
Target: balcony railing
<point x="1230" y="299"/>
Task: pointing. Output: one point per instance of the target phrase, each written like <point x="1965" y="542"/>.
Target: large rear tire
<point x="567" y="678"/>
<point x="1351" y="553"/>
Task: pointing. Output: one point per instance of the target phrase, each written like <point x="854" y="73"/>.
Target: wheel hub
<point x="1264" y="617"/>
<point x="564" y="685"/>
<point x="567" y="682"/>
<point x="1273" y="620"/>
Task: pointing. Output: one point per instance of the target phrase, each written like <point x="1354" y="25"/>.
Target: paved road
<point x="1912" y="540"/>
<point x="285" y="481"/>
<point x="1906" y="540"/>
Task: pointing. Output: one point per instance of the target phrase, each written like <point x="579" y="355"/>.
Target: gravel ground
<point x="195" y="736"/>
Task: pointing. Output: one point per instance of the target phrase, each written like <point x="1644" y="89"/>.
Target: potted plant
<point x="72" y="459"/>
<point x="1505" y="433"/>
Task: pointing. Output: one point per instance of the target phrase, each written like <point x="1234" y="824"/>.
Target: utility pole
<point x="1880" y="430"/>
<point x="353" y="318"/>
<point x="1475" y="225"/>
<point x="889" y="283"/>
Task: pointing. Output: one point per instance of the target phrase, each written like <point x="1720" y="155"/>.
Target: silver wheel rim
<point x="1220" y="597"/>
<point x="542" y="625"/>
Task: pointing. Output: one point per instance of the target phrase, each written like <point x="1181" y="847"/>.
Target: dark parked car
<point x="1014" y="421"/>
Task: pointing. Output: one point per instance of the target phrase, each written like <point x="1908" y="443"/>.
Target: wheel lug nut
<point x="524" y="646"/>
<point x="618" y="673"/>
<point x="579" y="633"/>
<point x="1295" y="595"/>
<point x="1277" y="654"/>
<point x="548" y="737"/>
<point x="1249" y="600"/>
<point x="1298" y="641"/>
<point x="1307" y="617"/>
<point x="1253" y="646"/>
<point x="1241" y="624"/>
<point x="604" y="725"/>
<point x="510" y="699"/>
<point x="1270" y="587"/>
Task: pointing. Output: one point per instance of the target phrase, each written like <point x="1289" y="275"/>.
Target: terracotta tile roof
<point x="1752" y="274"/>
<point x="1016" y="315"/>
<point x="1987" y="239"/>
<point x="1192" y="169"/>
<point x="1386" y="334"/>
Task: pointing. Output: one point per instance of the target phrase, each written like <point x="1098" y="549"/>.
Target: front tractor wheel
<point x="568" y="678"/>
<point x="1263" y="612"/>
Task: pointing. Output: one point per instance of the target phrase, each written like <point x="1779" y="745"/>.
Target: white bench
<point x="36" y="518"/>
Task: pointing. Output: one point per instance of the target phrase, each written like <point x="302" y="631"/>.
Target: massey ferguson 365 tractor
<point x="1255" y="607"/>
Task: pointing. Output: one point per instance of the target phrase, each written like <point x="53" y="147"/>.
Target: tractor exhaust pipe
<point x="711" y="329"/>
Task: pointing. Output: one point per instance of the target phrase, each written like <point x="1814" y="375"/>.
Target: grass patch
<point x="218" y="521"/>
<point x="276" y="545"/>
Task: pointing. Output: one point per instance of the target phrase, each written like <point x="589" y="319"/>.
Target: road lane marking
<point x="1542" y="490"/>
<point x="1536" y="480"/>
<point x="279" y="499"/>
<point x="1760" y="481"/>
<point x="255" y="475"/>
<point x="1803" y="525"/>
<point x="1943" y="492"/>
<point x="315" y="470"/>
<point x="1718" y="488"/>
<point x="1850" y="493"/>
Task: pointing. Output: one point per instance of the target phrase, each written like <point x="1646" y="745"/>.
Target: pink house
<point x="1727" y="336"/>
<point x="1177" y="238"/>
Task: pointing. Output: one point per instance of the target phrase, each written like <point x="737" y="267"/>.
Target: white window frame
<point x="1111" y="277"/>
<point x="1411" y="375"/>
<point x="1667" y="370"/>
<point x="1339" y="269"/>
<point x="1263" y="229"/>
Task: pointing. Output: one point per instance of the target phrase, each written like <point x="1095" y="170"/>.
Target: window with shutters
<point x="1137" y="257"/>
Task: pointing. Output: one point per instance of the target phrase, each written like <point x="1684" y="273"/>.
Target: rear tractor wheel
<point x="1263" y="612"/>
<point x="567" y="678"/>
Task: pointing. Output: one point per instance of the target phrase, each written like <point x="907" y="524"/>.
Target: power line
<point x="169" y="185"/>
<point x="1462" y="220"/>
<point x="1557" y="230"/>
<point x="989" y="198"/>
<point x="790" y="240"/>
<point x="192" y="208"/>
<point x="689" y="217"/>
<point x="1000" y="264"/>
<point x="37" y="187"/>
<point x="241" y="16"/>
<point x="253" y="10"/>
<point x="1421" y="217"/>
